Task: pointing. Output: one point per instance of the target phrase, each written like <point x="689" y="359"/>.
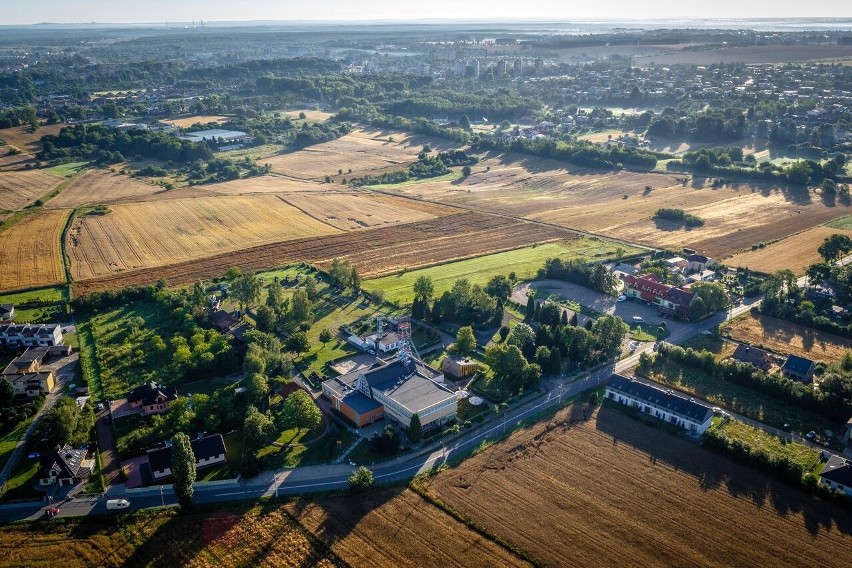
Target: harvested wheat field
<point x="592" y="487"/>
<point x="362" y="151"/>
<point x="145" y="235"/>
<point x="30" y="253"/>
<point x="375" y="252"/>
<point x="19" y="189"/>
<point x="619" y="205"/>
<point x="242" y="535"/>
<point x="269" y="184"/>
<point x="312" y="115"/>
<point x="23" y="139"/>
<point x="349" y="212"/>
<point x="794" y="253"/>
<point x="788" y="338"/>
<point x="13" y="162"/>
<point x="396" y="527"/>
<point x="188" y="121"/>
<point x="102" y="187"/>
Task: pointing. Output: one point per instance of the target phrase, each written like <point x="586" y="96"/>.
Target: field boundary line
<point x="66" y="259"/>
<point x="293" y="205"/>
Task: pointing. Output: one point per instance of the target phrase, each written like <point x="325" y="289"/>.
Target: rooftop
<point x="661" y="398"/>
<point x="838" y="470"/>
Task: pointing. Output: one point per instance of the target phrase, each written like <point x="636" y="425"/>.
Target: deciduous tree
<point x="183" y="469"/>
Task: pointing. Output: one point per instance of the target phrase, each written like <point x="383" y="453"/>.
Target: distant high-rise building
<point x="518" y="67"/>
<point x="474" y="64"/>
<point x="459" y="68"/>
<point x="501" y="68"/>
<point x="539" y="65"/>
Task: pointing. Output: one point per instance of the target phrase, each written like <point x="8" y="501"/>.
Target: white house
<point x="660" y="403"/>
<point x="31" y="335"/>
<point x="837" y="475"/>
<point x="698" y="263"/>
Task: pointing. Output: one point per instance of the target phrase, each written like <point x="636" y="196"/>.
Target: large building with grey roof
<point x="660" y="403"/>
<point x="396" y="390"/>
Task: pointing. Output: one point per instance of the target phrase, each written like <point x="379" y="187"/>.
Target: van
<point x="113" y="504"/>
<point x="638" y="319"/>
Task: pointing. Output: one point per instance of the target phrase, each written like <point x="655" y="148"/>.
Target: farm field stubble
<point x="104" y="187"/>
<point x="788" y="338"/>
<point x="151" y="234"/>
<point x="188" y="121"/>
<point x="736" y="215"/>
<point x="23" y="139"/>
<point x="352" y="211"/>
<point x="592" y="487"/>
<point x="20" y="188"/>
<point x="795" y="253"/>
<point x="375" y="252"/>
<point x="30" y="253"/>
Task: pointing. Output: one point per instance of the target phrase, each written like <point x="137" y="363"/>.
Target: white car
<point x="621" y="298"/>
<point x="638" y="319"/>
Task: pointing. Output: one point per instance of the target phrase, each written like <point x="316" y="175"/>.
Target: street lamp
<point x="162" y="499"/>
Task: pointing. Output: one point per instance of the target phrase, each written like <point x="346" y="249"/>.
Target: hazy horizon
<point x="160" y="11"/>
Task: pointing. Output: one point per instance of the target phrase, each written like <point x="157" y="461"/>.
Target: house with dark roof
<point x="837" y="475"/>
<point x="676" y="409"/>
<point x="13" y="336"/>
<point x="223" y="321"/>
<point x="65" y="466"/>
<point x="7" y="311"/>
<point x="798" y="369"/>
<point x="25" y="372"/>
<point x="152" y="398"/>
<point x="666" y="298"/>
<point x="396" y="390"/>
<point x="208" y="450"/>
<point x="753" y="356"/>
<point x="698" y="263"/>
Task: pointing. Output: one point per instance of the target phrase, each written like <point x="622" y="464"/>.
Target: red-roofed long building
<point x="670" y="299"/>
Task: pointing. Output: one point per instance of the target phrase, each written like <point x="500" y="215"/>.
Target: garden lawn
<point x="807" y="457"/>
<point x="524" y="262"/>
<point x="9" y="440"/>
<point x="19" y="484"/>
<point x="738" y="398"/>
<point x="53" y="312"/>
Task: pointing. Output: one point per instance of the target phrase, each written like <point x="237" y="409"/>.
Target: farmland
<point x="794" y="253"/>
<point x="102" y="187"/>
<point x="349" y="212"/>
<point x="18" y="189"/>
<point x="313" y="115"/>
<point x="568" y="490"/>
<point x="619" y="205"/>
<point x="524" y="262"/>
<point x="142" y="235"/>
<point x="363" y="151"/>
<point x="29" y="251"/>
<point x="27" y="141"/>
<point x="376" y="252"/>
<point x="188" y="121"/>
<point x="788" y="338"/>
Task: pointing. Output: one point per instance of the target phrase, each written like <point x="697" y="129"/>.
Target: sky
<point x="147" y="11"/>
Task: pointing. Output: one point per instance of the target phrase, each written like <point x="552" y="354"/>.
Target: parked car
<point x="621" y="298"/>
<point x="810" y="435"/>
<point x="638" y="319"/>
<point x="33" y="455"/>
<point x="100" y="407"/>
<point x="113" y="504"/>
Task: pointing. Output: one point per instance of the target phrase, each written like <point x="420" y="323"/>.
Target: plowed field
<point x="396" y="528"/>
<point x="374" y="252"/>
<point x="145" y="235"/>
<point x="795" y="253"/>
<point x="21" y="138"/>
<point x="30" y="255"/>
<point x="788" y="338"/>
<point x="362" y="151"/>
<point x="19" y="189"/>
<point x="352" y="211"/>
<point x="103" y="187"/>
<point x="600" y="489"/>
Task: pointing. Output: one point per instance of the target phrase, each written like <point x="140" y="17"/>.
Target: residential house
<point x="7" y="311"/>
<point x="223" y="321"/>
<point x="753" y="356"/>
<point x="458" y="366"/>
<point x="690" y="415"/>
<point x="676" y="263"/>
<point x="208" y="450"/>
<point x="46" y="335"/>
<point x="32" y="384"/>
<point x="65" y="466"/>
<point x="389" y="342"/>
<point x="798" y="369"/>
<point x="837" y="475"/>
<point x="25" y="372"/>
<point x="152" y="398"/>
<point x="396" y="390"/>
<point x="698" y="263"/>
<point x="666" y="298"/>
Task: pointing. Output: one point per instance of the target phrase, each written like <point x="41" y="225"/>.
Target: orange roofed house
<point x="666" y="298"/>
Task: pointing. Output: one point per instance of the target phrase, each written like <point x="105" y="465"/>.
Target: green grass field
<point x="9" y="439"/>
<point x="524" y="262"/>
<point x="37" y="314"/>
<point x="772" y="445"/>
<point x="67" y="170"/>
<point x="843" y="223"/>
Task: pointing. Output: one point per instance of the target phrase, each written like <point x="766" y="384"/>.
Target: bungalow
<point x="753" y="356"/>
<point x="666" y="298"/>
<point x="837" y="475"/>
<point x="389" y="342"/>
<point x="459" y="366"/>
<point x="798" y="369"/>
<point x="208" y="450"/>
<point x="698" y="263"/>
<point x="223" y="321"/>
<point x="7" y="311"/>
<point x="663" y="404"/>
<point x="152" y="398"/>
<point x="65" y="466"/>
